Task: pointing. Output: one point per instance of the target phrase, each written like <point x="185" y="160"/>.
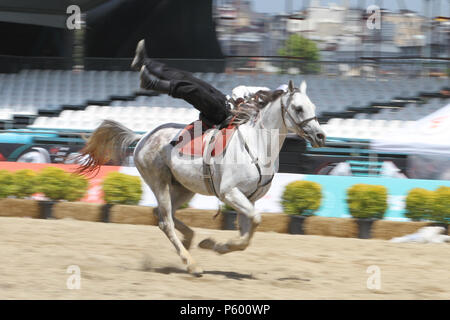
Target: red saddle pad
<point x="191" y="140"/>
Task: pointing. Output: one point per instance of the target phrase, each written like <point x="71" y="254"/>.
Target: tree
<point x="298" y="46"/>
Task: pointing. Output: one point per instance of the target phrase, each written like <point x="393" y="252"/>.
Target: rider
<point x="214" y="106"/>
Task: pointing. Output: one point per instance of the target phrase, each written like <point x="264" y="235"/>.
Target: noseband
<point x="285" y="110"/>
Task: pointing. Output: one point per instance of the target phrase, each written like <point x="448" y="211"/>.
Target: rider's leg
<point x="164" y="72"/>
<point x="149" y="82"/>
<point x="212" y="105"/>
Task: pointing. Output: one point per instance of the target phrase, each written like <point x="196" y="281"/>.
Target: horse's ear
<point x="303" y="87"/>
<point x="291" y="86"/>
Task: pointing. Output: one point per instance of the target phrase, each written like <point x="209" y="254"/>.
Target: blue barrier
<point x="334" y="190"/>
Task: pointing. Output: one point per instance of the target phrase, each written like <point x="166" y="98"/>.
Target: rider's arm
<point x="244" y="91"/>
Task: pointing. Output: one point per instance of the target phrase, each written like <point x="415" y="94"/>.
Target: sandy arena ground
<point x="138" y="262"/>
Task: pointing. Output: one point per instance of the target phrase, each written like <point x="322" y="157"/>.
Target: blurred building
<point x="409" y="34"/>
<point x="318" y="22"/>
<point x="241" y="31"/>
<point x="439" y="41"/>
<point x="340" y="31"/>
<point x="276" y="34"/>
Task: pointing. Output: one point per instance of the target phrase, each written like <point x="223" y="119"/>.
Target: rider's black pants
<point x="211" y="103"/>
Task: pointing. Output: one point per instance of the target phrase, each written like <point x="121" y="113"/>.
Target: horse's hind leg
<point x="161" y="189"/>
<point x="249" y="219"/>
<point x="186" y="231"/>
<point x="180" y="195"/>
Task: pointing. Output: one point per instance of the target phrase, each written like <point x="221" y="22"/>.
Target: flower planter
<point x="296" y="224"/>
<point x="229" y="220"/>
<point x="46" y="207"/>
<point x="106" y="209"/>
<point x="12" y="207"/>
<point x="365" y="227"/>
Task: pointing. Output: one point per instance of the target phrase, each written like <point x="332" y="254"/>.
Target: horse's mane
<point x="249" y="109"/>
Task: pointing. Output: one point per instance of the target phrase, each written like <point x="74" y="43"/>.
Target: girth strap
<point x="256" y="162"/>
<point x="207" y="157"/>
<point x="207" y="172"/>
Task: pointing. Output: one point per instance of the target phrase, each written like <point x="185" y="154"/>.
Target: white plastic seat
<point x="335" y="121"/>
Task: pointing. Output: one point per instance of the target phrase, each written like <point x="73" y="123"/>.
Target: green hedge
<point x="301" y="198"/>
<point x="57" y="184"/>
<point x="77" y="187"/>
<point x="419" y="204"/>
<point x="5" y="183"/>
<point x="441" y="207"/>
<point x="367" y="201"/>
<point x="119" y="188"/>
<point x="23" y="183"/>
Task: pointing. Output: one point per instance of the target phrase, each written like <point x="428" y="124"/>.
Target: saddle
<point x="196" y="136"/>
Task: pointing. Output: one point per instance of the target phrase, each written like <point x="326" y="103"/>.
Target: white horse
<point x="242" y="175"/>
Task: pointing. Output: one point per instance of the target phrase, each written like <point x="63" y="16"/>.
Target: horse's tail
<point x="110" y="141"/>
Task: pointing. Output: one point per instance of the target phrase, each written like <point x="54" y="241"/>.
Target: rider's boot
<point x="149" y="82"/>
<point x="139" y="57"/>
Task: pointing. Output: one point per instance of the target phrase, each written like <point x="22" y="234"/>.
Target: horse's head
<point x="299" y="115"/>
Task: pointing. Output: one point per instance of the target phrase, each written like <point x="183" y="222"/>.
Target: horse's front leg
<point x="249" y="219"/>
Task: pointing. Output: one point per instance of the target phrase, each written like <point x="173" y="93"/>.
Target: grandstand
<point x="55" y="99"/>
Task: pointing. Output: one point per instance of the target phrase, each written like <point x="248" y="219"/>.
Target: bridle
<point x="285" y="110"/>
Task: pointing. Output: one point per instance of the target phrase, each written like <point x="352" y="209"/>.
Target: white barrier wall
<point x="269" y="203"/>
<point x="334" y="190"/>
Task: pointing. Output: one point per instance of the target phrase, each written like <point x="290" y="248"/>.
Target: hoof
<point x="207" y="244"/>
<point x="195" y="270"/>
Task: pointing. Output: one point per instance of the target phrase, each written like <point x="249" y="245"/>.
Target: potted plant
<point x="366" y="204"/>
<point x="300" y="200"/>
<point x="441" y="207"/>
<point x="6" y="180"/>
<point x="17" y="188"/>
<point x="229" y="217"/>
<point x="57" y="185"/>
<point x="120" y="188"/>
<point x="419" y="204"/>
<point x="77" y="186"/>
<point x="23" y="183"/>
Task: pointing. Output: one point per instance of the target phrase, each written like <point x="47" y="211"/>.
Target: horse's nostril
<point x="320" y="136"/>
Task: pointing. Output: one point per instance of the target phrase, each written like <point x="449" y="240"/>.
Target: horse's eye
<point x="299" y="109"/>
